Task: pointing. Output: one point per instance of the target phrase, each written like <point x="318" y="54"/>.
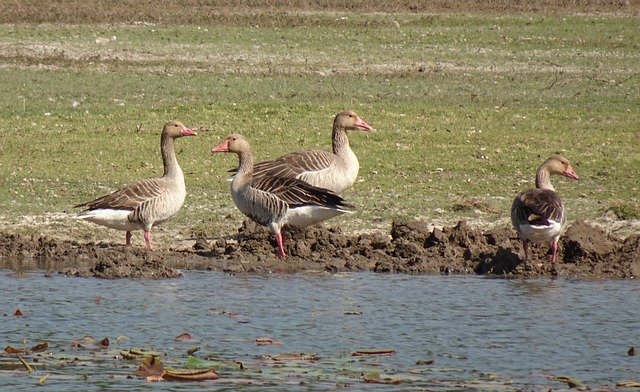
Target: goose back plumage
<point x="336" y="170"/>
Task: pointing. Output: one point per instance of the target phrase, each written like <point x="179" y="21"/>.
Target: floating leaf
<point x="139" y="354"/>
<point x="18" y="312"/>
<point x="353" y="313"/>
<point x="121" y="338"/>
<point x="190" y="375"/>
<point x="91" y="344"/>
<point x="40" y="347"/>
<point x="425" y="361"/>
<point x="267" y="342"/>
<point x="12" y="350"/>
<point x="631" y="352"/>
<point x="375" y="378"/>
<point x="104" y="343"/>
<point x="380" y="352"/>
<point x="293" y="357"/>
<point x="184" y="337"/>
<point x="571" y="382"/>
<point x="151" y="366"/>
<point x="628" y="384"/>
<point x="129" y="355"/>
<point x="192" y="350"/>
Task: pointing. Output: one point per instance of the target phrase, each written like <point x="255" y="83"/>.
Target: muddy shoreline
<point x="411" y="247"/>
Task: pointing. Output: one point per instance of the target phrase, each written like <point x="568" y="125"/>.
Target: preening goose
<point x="336" y="171"/>
<point x="277" y="202"/>
<point x="538" y="213"/>
<point x="147" y="202"/>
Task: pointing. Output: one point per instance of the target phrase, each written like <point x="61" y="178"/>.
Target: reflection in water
<point x="518" y="329"/>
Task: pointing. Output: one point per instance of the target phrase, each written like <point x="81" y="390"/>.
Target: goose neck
<point x="543" y="179"/>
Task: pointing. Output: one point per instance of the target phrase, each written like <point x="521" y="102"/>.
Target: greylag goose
<point x="274" y="201"/>
<point x="147" y="202"/>
<point x="336" y="171"/>
<point x="538" y="213"/>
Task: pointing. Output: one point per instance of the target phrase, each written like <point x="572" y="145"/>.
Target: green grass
<point x="464" y="108"/>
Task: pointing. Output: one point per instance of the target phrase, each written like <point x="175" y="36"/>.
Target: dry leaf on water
<point x="140" y="354"/>
<point x="628" y="384"/>
<point x="153" y="370"/>
<point x="40" y="347"/>
<point x="35" y="349"/>
<point x="192" y="350"/>
<point x="185" y="337"/>
<point x="268" y="341"/>
<point x="190" y="375"/>
<point x="292" y="357"/>
<point x="379" y="352"/>
<point x="12" y="350"/>
<point x="91" y="344"/>
<point x="374" y="378"/>
<point x="151" y="366"/>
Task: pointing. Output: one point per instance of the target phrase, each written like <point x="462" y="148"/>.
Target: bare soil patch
<point x="411" y="247"/>
<point x="279" y="13"/>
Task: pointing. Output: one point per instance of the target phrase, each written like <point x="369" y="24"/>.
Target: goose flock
<point x="300" y="189"/>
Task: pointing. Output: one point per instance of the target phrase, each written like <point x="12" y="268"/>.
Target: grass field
<point x="465" y="105"/>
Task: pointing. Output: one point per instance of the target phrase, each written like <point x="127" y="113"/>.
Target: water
<point x="504" y="334"/>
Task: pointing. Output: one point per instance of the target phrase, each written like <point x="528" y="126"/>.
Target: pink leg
<point x="147" y="239"/>
<point x="280" y="240"/>
<point x="525" y="245"/>
<point x="127" y="238"/>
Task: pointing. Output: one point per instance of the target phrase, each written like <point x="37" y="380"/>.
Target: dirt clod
<point x="411" y="247"/>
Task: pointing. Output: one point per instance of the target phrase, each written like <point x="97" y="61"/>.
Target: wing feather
<point x="128" y="198"/>
<point x="297" y="193"/>
<point x="294" y="164"/>
<point x="538" y="207"/>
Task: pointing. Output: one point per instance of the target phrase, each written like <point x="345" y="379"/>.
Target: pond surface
<point x="447" y="332"/>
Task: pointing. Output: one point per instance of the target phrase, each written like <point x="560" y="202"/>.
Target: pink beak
<point x="188" y="132"/>
<point x="570" y="173"/>
<point x="222" y="147"/>
<point x="363" y="126"/>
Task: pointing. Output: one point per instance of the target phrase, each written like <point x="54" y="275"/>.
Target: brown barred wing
<point x="297" y="193"/>
<point x="538" y="207"/>
<point x="129" y="197"/>
<point x="294" y="164"/>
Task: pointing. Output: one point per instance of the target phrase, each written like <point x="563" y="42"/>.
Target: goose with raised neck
<point x="148" y="202"/>
<point x="278" y="202"/>
<point x="336" y="170"/>
<point x="538" y="214"/>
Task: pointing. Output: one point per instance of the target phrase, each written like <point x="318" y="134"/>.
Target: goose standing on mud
<point x="336" y="171"/>
<point x="147" y="202"/>
<point x="277" y="202"/>
<point x="538" y="213"/>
